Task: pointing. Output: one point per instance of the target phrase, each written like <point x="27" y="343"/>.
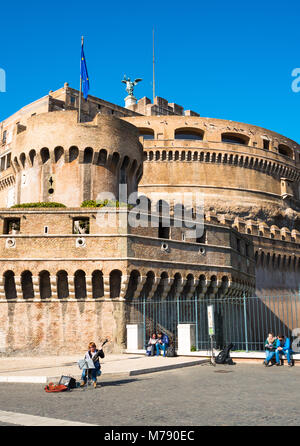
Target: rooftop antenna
<point x="153" y="70"/>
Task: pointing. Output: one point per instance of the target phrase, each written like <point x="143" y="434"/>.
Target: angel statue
<point x="130" y="85"/>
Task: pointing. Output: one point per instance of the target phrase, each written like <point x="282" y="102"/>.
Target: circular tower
<point x="241" y="169"/>
<point x="58" y="159"/>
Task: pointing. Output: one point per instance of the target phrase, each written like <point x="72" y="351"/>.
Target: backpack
<point x="170" y="353"/>
<point x="224" y="356"/>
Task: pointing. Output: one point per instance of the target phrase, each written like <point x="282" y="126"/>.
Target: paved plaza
<point x="244" y="394"/>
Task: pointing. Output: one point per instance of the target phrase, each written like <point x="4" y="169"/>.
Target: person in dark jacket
<point x="92" y="351"/>
<point x="283" y="347"/>
<point x="162" y="343"/>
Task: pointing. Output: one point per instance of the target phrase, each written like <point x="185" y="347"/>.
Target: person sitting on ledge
<point x="162" y="343"/>
<point x="270" y="347"/>
<point x="283" y="347"/>
<point x="92" y="351"/>
<point x="151" y="345"/>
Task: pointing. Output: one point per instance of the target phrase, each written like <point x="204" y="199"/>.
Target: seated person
<point x="93" y="372"/>
<point x="283" y="347"/>
<point x="162" y="343"/>
<point x="270" y="348"/>
<point x="151" y="345"/>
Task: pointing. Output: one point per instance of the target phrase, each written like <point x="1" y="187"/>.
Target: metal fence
<point x="244" y="321"/>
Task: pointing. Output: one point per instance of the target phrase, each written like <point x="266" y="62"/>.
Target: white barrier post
<point x="186" y="338"/>
<point x="135" y="337"/>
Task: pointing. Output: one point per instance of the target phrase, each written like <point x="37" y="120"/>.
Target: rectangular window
<point x="202" y="239"/>
<point x="4" y="136"/>
<point x="12" y="226"/>
<point x="238" y="245"/>
<point x="247" y="250"/>
<point x="163" y="232"/>
<point x="2" y="164"/>
<point x="123" y="176"/>
<point x="81" y="225"/>
<point x="46" y="230"/>
<point x="8" y="160"/>
<point x="266" y="144"/>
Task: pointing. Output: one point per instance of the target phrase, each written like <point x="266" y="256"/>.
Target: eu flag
<point x="84" y="75"/>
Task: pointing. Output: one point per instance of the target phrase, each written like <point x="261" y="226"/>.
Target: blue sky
<point x="230" y="60"/>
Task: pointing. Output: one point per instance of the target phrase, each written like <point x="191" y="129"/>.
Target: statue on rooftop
<point x="130" y="85"/>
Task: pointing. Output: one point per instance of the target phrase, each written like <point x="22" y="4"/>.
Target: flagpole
<point x="80" y="88"/>
<point x="153" y="70"/>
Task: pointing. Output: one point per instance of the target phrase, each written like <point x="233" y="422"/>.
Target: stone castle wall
<point x="59" y="327"/>
<point x="38" y="323"/>
<point x="64" y="294"/>
<point x="60" y="289"/>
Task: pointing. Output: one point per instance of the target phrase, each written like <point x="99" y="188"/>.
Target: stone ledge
<point x="206" y="353"/>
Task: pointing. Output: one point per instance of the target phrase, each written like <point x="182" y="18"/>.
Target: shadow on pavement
<point x="118" y="382"/>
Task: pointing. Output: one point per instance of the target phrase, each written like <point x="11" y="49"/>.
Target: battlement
<point x="254" y="228"/>
<point x="276" y="249"/>
<point x="160" y="107"/>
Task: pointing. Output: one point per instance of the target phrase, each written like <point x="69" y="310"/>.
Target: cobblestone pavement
<point x="201" y="395"/>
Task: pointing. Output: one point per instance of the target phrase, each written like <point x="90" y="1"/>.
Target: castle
<point x="65" y="278"/>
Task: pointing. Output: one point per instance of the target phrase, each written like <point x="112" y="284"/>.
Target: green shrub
<point x="89" y="204"/>
<point x="193" y="348"/>
<point x="101" y="204"/>
<point x="41" y="204"/>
